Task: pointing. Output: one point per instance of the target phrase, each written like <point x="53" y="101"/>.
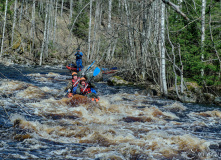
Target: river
<point x="38" y="122"/>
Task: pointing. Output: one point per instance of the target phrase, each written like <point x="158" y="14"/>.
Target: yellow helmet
<point x="74" y="73"/>
<point x="82" y="79"/>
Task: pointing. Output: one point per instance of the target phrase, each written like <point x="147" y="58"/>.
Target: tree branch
<point x="176" y="8"/>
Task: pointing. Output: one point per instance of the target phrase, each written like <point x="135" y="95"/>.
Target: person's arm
<point x="81" y="53"/>
<point x="91" y="85"/>
<point x="78" y="91"/>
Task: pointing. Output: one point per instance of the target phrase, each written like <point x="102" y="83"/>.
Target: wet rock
<point x="206" y="98"/>
<point x="22" y="137"/>
<point x="172" y="94"/>
<point x="193" y="94"/>
<point x="217" y="101"/>
<point x="118" y="81"/>
<point x="214" y="146"/>
<point x="188" y="97"/>
<point x="193" y="87"/>
<point x="76" y="100"/>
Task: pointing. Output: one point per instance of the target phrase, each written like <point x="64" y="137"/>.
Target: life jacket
<point x="86" y="91"/>
<point x="74" y="81"/>
<point x="78" y="55"/>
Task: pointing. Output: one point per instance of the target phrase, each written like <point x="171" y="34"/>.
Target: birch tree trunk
<point x="129" y="32"/>
<point x="41" y="8"/>
<point x="45" y="33"/>
<point x="3" y="32"/>
<point x="89" y="32"/>
<point x="62" y="6"/>
<point x="14" y="21"/>
<point x="109" y="30"/>
<point x="48" y="30"/>
<point x="55" y="22"/>
<point x="26" y="7"/>
<point x="181" y="73"/>
<point x="71" y="10"/>
<point x="32" y="27"/>
<point x="203" y="31"/>
<point x="163" y="61"/>
<point x="21" y="13"/>
<point x="96" y="26"/>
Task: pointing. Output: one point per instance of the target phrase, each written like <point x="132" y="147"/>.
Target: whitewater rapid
<point x="38" y="121"/>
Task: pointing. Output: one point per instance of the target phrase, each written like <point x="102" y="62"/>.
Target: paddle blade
<point x="96" y="71"/>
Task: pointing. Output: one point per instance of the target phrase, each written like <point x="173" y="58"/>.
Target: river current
<point x="38" y="122"/>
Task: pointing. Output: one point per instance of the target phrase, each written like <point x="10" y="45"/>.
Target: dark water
<point x="37" y="122"/>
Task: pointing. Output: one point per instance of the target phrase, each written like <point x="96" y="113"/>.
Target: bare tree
<point x="89" y="31"/>
<point x="45" y="33"/>
<point x="3" y="32"/>
<point x="32" y="27"/>
<point x="96" y="26"/>
<point x="163" y="61"/>
<point x="62" y="6"/>
<point x="109" y="32"/>
<point x="14" y="21"/>
<point x="71" y="10"/>
<point x="203" y="31"/>
<point x="21" y="12"/>
<point x="55" y="21"/>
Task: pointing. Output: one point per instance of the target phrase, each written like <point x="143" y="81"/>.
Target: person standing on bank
<point x="79" y="55"/>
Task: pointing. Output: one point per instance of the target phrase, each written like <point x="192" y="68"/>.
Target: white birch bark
<point x="3" y="32"/>
<point x="203" y="31"/>
<point x="163" y="61"/>
<point x="89" y="31"/>
<point x="62" y="6"/>
<point x="156" y="29"/>
<point x="96" y="26"/>
<point x="181" y="73"/>
<point x="45" y="32"/>
<point x="55" y="22"/>
<point x="32" y="27"/>
<point x="109" y="30"/>
<point x="26" y="7"/>
<point x="41" y="8"/>
<point x="129" y="31"/>
<point x="71" y="10"/>
<point x="21" y="13"/>
<point x="109" y="14"/>
<point x="14" y="21"/>
<point x="48" y="30"/>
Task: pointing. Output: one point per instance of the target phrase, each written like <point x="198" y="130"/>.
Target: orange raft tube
<point x="92" y="99"/>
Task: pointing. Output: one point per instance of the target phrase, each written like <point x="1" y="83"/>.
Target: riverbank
<point x="193" y="93"/>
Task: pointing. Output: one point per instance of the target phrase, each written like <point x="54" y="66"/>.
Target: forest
<point x="168" y="43"/>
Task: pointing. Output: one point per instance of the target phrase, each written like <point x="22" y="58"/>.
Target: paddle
<point x="83" y="73"/>
<point x="95" y="73"/>
<point x="87" y="69"/>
